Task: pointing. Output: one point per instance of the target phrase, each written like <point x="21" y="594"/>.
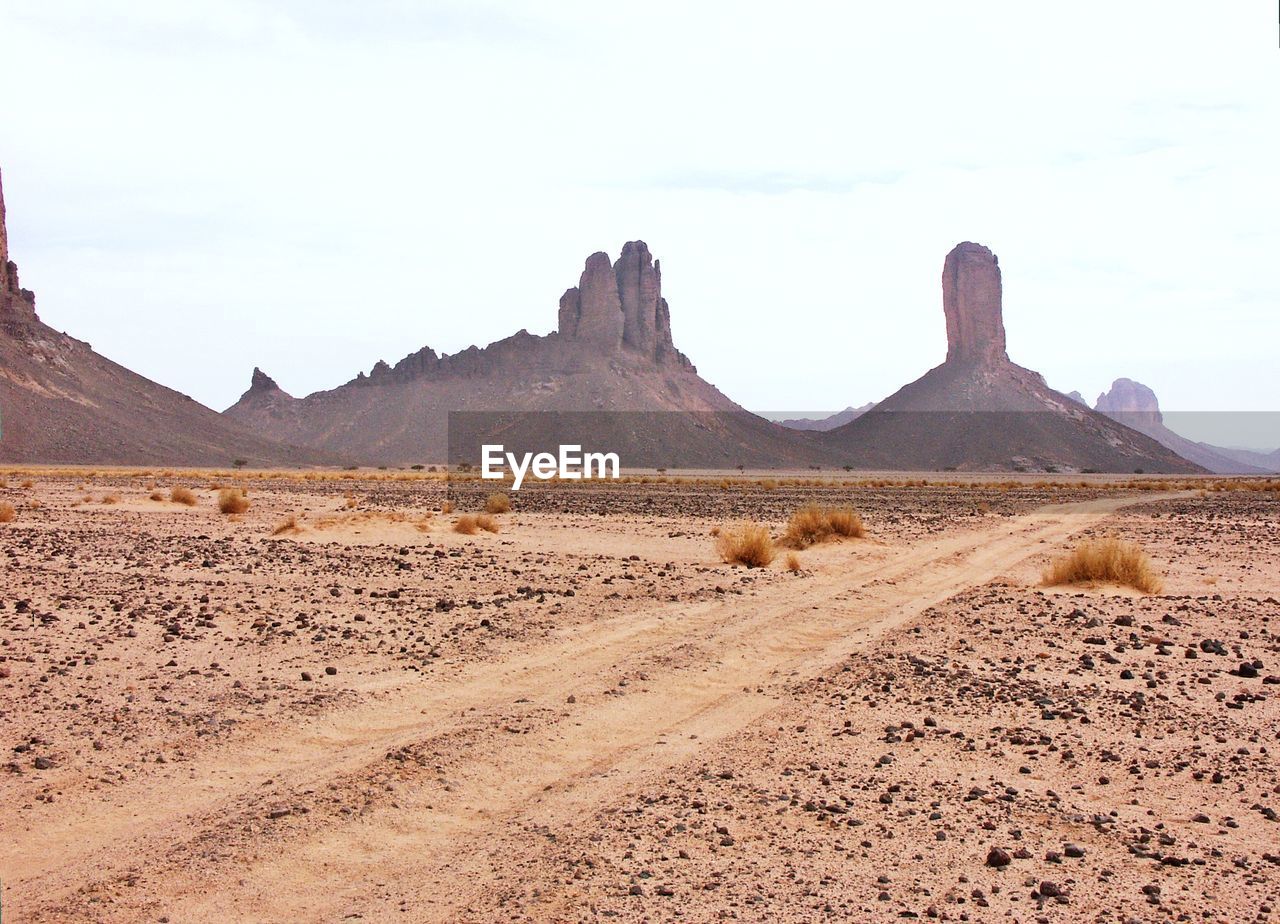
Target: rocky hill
<point x="60" y="402"/>
<point x="1135" y="405"/>
<point x="979" y="411"/>
<point x="609" y="375"/>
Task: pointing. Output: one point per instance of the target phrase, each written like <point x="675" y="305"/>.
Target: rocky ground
<point x="586" y="715"/>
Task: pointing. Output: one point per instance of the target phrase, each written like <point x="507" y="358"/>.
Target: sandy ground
<point x="586" y="715"/>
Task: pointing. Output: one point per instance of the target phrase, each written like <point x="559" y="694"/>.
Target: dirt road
<point x="409" y="801"/>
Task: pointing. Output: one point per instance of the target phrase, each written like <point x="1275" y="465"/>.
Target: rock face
<point x="971" y="300"/>
<point x="1135" y="405"/>
<point x="62" y="402"/>
<point x="980" y="412"/>
<point x="1131" y="401"/>
<point x="609" y="375"/>
<point x="17" y="305"/>
<point x="620" y="305"/>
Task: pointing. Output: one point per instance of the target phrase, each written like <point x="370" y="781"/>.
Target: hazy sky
<point x="197" y="188"/>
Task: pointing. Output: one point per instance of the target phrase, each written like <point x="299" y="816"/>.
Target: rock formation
<point x="1135" y="405"/>
<point x="64" y="403"/>
<point x="1132" y="402"/>
<point x="17" y="305"/>
<point x="980" y="411"/>
<point x="620" y="305"/>
<point x="971" y="300"/>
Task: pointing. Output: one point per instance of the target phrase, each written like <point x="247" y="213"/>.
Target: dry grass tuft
<point x="487" y="523"/>
<point x="288" y="526"/>
<point x="183" y="496"/>
<point x="812" y="524"/>
<point x="110" y="499"/>
<point x="28" y="484"/>
<point x="446" y="508"/>
<point x="1104" y="560"/>
<point x="793" y="562"/>
<point x="232" y="500"/>
<point x="747" y="544"/>
<point x="497" y="503"/>
<point x="7" y="513"/>
<point x="157" y="495"/>
<point x="467" y="524"/>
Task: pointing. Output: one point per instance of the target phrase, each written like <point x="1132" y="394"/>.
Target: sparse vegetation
<point x="487" y="523"/>
<point x="446" y="508"/>
<point x="289" y="525"/>
<point x="157" y="495"/>
<point x="497" y="503"/>
<point x="467" y="524"/>
<point x="232" y="500"/>
<point x="7" y="513"/>
<point x="746" y="544"/>
<point x="184" y="496"/>
<point x="1105" y="560"/>
<point x="793" y="562"/>
<point x="110" y="499"/>
<point x="812" y="524"/>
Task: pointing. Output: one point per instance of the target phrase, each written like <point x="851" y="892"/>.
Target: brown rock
<point x="640" y="289"/>
<point x="599" y="309"/>
<point x="16" y="303"/>
<point x="1131" y="401"/>
<point x="971" y="299"/>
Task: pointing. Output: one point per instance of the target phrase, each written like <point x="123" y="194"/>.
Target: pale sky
<point x="200" y="187"/>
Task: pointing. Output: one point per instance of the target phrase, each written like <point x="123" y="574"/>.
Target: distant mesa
<point x="979" y="411"/>
<point x="1077" y="398"/>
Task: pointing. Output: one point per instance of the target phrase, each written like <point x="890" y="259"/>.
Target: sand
<point x="586" y="715"/>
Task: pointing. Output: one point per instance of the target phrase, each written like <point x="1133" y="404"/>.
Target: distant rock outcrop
<point x="1077" y="398"/>
<point x="838" y="419"/>
<point x="612" y="355"/>
<point x="1135" y="405"/>
<point x="979" y="411"/>
<point x="1131" y="402"/>
<point x="63" y="403"/>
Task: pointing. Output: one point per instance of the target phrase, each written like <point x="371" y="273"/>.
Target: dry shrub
<point x="289" y="525"/>
<point x="769" y="484"/>
<point x="497" y="503"/>
<point x="7" y="513"/>
<point x="183" y="496"/>
<point x="351" y="501"/>
<point x="845" y="522"/>
<point x="812" y="524"/>
<point x="747" y="544"/>
<point x="793" y="562"/>
<point x="467" y="524"/>
<point x="1107" y="559"/>
<point x="232" y="500"/>
<point x="28" y="484"/>
<point x="157" y="495"/>
<point x="487" y="523"/>
<point x="446" y="508"/>
<point x="110" y="499"/>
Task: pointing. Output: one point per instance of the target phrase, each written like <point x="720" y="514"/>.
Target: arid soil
<point x="586" y="715"/>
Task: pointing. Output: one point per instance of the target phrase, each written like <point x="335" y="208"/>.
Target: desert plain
<point x="332" y="706"/>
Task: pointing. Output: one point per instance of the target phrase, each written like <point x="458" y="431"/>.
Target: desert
<point x="425" y="495"/>
<point x="333" y="706"/>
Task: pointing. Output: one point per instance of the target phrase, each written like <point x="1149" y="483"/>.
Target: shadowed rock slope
<point x="609" y="377"/>
<point x="60" y="402"/>
<point x="980" y="412"/>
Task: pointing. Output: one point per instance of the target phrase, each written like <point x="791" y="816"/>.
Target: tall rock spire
<point x="16" y="303"/>
<point x="620" y="304"/>
<point x="971" y="299"/>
